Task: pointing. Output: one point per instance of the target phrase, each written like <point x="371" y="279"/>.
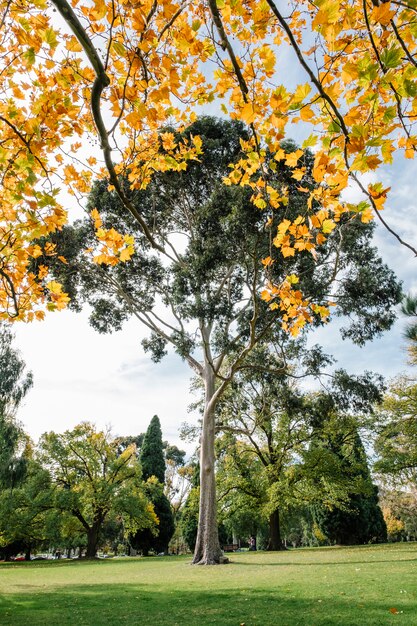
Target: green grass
<point x="311" y="587"/>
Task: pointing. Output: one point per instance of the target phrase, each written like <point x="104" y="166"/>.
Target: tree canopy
<point x="120" y="71"/>
<point x="91" y="479"/>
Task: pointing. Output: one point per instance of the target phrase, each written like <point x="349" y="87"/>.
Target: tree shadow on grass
<point x="319" y="563"/>
<point x="121" y="604"/>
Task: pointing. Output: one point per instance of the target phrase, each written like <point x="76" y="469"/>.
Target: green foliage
<point x="224" y="240"/>
<point x="189" y="518"/>
<point x="92" y="478"/>
<point x="396" y="440"/>
<point x="14" y="385"/>
<point x="152" y="452"/>
<point x="359" y="519"/>
<point x="157" y="541"/>
<point x="14" y="382"/>
<point x="25" y="509"/>
<point x="19" y="520"/>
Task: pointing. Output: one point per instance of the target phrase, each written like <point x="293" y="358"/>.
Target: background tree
<point x="15" y="452"/>
<point x="269" y="460"/>
<point x="209" y="282"/>
<point x="25" y="512"/>
<point x="396" y="438"/>
<point x="14" y="385"/>
<point x="153" y="470"/>
<point x="152" y="456"/>
<point x="178" y="476"/>
<point x="409" y="309"/>
<point x="399" y="507"/>
<point x="360" y="520"/>
<point x="91" y="479"/>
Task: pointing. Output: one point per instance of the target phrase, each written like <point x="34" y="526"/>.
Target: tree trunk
<point x="92" y="541"/>
<point x="275" y="542"/>
<point x="207" y="548"/>
<point x="27" y="554"/>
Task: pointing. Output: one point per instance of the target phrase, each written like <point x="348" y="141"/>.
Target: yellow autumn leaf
<point x="292" y="158"/>
<point x="126" y="254"/>
<point x="327" y="226"/>
<point x="247" y="113"/>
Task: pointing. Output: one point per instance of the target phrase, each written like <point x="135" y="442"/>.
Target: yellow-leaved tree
<point x="116" y="72"/>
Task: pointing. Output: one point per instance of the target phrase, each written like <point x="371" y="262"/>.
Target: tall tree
<point x="152" y="456"/>
<point x="396" y="436"/>
<point x="14" y="385"/>
<point x="269" y="425"/>
<point x="91" y="479"/>
<point x="210" y="284"/>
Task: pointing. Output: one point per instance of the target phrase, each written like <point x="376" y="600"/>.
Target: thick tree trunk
<point x="275" y="542"/>
<point x="207" y="549"/>
<point x="27" y="554"/>
<point x="92" y="541"/>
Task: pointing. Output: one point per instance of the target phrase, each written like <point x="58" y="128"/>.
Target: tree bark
<point x="27" y="554"/>
<point x="275" y="542"/>
<point x="92" y="540"/>
<point x="207" y="549"/>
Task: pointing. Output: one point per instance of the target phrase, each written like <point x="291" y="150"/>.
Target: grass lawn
<point x="344" y="586"/>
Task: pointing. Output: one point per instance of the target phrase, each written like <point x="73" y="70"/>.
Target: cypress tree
<point x="153" y="464"/>
<point x="152" y="453"/>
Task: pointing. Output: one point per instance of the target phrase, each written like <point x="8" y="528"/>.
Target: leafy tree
<point x="399" y="507"/>
<point x="396" y="439"/>
<point x="153" y="467"/>
<point x="358" y="101"/>
<point x="14" y="385"/>
<point x="24" y="511"/>
<point x="354" y="99"/>
<point x="211" y="278"/>
<point x="91" y="480"/>
<point x="360" y="520"/>
<point x="267" y="459"/>
<point x="409" y="309"/>
<point x="17" y="516"/>
<point x="14" y="381"/>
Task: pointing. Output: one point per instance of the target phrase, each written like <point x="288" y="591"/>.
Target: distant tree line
<point x="292" y="470"/>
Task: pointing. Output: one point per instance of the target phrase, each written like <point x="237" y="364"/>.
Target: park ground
<point x="367" y="585"/>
